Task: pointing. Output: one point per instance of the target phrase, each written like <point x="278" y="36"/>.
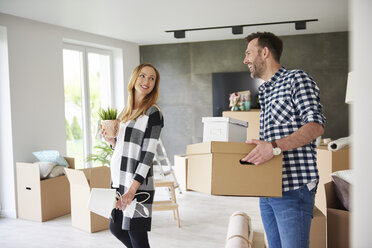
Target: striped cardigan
<point x="140" y="142"/>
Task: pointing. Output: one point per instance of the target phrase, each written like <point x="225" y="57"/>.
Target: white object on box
<point x="102" y="201"/>
<point x="224" y="129"/>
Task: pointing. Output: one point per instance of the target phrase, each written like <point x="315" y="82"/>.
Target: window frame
<point x="85" y="95"/>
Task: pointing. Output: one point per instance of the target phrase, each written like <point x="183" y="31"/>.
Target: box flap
<point x="332" y="200"/>
<point x="225" y="119"/>
<point x="76" y="177"/>
<point x="71" y="162"/>
<point x="219" y="147"/>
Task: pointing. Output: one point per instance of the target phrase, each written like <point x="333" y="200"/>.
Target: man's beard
<point x="258" y="69"/>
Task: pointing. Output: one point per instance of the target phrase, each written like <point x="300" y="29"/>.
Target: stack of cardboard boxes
<point x="42" y="200"/>
<point x="214" y="168"/>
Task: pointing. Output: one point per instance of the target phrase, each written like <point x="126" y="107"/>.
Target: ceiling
<point x="145" y="21"/>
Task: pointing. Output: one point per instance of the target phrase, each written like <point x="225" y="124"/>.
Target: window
<point x="88" y="87"/>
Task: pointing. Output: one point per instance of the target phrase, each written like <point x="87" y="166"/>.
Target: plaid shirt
<point x="289" y="100"/>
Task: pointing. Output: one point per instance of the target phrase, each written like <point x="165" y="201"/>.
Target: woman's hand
<point x="111" y="141"/>
<point x="128" y="197"/>
<point x="124" y="200"/>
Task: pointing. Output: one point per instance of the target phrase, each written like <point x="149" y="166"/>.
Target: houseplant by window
<point x="109" y="122"/>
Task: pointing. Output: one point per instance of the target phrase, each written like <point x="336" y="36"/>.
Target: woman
<point x="131" y="164"/>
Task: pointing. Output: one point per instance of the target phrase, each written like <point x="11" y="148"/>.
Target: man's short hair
<point x="269" y="40"/>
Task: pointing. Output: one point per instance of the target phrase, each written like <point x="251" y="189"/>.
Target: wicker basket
<point x="110" y="127"/>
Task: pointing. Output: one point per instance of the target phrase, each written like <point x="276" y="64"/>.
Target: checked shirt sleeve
<point x="150" y="142"/>
<point x="305" y="95"/>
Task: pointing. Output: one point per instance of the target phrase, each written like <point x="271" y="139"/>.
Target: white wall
<point x="37" y="89"/>
<point x="7" y="208"/>
<point x="361" y="55"/>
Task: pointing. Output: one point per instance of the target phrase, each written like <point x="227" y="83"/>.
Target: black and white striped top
<point x="139" y="144"/>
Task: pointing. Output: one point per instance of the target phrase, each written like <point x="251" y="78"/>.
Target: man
<point x="290" y="120"/>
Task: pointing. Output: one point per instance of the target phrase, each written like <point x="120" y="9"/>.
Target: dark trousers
<point x="131" y="239"/>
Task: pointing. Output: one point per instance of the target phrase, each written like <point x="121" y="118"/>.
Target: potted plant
<point x="109" y="121"/>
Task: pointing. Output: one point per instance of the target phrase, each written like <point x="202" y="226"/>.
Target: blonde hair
<point x="149" y="100"/>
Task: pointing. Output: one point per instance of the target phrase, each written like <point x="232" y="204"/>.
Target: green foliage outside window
<point x="76" y="129"/>
<point x="68" y="131"/>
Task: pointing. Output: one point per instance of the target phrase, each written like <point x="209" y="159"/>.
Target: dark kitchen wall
<point x="186" y="80"/>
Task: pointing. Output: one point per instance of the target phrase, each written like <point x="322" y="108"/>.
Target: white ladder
<point x="162" y="156"/>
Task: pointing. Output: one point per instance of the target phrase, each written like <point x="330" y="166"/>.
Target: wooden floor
<point x="204" y="220"/>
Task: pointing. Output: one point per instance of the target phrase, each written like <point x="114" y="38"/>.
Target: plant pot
<point x="110" y="128"/>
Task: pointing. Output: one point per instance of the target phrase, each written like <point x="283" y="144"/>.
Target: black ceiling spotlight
<point x="238" y="29"/>
<point x="179" y="34"/>
<point x="300" y="25"/>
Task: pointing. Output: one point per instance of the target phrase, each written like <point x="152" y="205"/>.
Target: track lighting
<point x="238" y="29"/>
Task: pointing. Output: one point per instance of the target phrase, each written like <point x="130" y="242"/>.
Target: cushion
<point x="45" y="168"/>
<point x="51" y="156"/>
<point x="343" y="180"/>
<point x="58" y="170"/>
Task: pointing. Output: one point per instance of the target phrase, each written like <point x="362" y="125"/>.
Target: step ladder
<point x="160" y="156"/>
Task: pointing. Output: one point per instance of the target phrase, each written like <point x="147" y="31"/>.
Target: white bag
<point x="102" y="201"/>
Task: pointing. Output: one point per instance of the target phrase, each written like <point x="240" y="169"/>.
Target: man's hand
<point x="261" y="153"/>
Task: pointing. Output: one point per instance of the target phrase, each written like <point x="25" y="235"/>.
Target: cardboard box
<point x="252" y="117"/>
<point x="214" y="168"/>
<point x="328" y="162"/>
<point x="337" y="220"/>
<point x="318" y="230"/>
<point x="41" y="200"/>
<point x="180" y="170"/>
<point x="81" y="182"/>
<point x="223" y="129"/>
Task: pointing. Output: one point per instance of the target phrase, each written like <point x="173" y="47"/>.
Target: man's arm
<point x="264" y="150"/>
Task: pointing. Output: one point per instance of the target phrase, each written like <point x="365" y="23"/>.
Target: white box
<point x="180" y="170"/>
<point x="224" y="129"/>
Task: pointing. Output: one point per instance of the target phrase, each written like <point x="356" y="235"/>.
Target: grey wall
<point x="36" y="92"/>
<point x="186" y="80"/>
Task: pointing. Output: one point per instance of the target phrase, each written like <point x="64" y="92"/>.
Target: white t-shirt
<point x="116" y="156"/>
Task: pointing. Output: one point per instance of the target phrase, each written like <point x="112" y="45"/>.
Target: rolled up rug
<point x="339" y="143"/>
<point x="239" y="232"/>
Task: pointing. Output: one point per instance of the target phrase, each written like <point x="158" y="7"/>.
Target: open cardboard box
<point x="337" y="219"/>
<point x="180" y="170"/>
<point x="81" y="182"/>
<point x="214" y="168"/>
<point x="41" y="200"/>
<point x="328" y="162"/>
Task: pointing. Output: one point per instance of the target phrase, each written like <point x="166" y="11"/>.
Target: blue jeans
<point x="287" y="220"/>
